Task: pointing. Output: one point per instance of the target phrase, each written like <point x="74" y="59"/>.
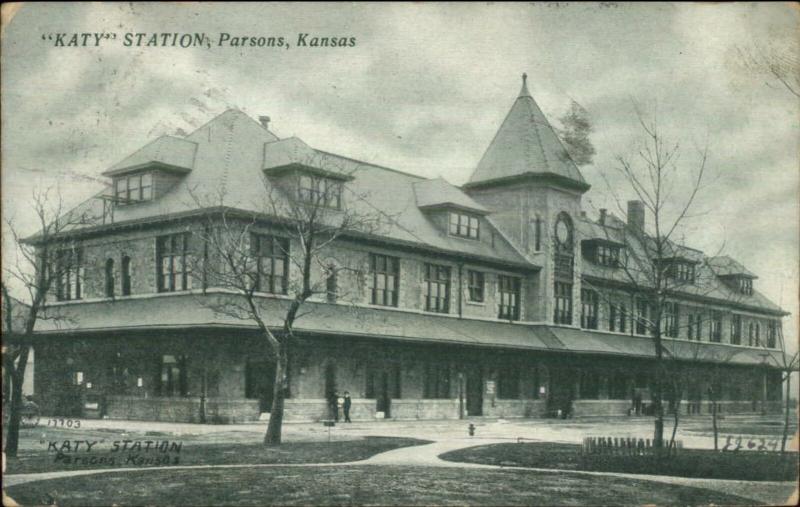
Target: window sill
<point x="475" y="303"/>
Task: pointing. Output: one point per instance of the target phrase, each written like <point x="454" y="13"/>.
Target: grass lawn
<point x="357" y="485"/>
<point x="745" y="465"/>
<point x="771" y="428"/>
<point x="197" y="453"/>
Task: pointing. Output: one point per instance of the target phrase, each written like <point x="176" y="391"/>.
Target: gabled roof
<point x="438" y="193"/>
<point x="165" y="151"/>
<point x="526" y="145"/>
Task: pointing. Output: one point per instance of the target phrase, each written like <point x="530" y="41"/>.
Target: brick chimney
<point x="603" y="212"/>
<point x="264" y="121"/>
<point x="636" y="215"/>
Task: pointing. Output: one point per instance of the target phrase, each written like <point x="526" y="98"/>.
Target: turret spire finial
<point x="524" y="91"/>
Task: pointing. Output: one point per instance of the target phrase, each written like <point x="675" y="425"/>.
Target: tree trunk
<point x="15" y="413"/>
<point x="273" y="436"/>
<point x="714" y="423"/>
<point x="675" y="419"/>
<point x="786" y="412"/>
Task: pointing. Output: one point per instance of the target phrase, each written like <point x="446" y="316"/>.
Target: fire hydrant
<point x="471" y="430"/>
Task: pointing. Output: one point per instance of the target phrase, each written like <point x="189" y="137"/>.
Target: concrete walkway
<point x="766" y="493"/>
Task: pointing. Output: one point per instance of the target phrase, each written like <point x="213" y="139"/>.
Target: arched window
<point x="564" y="265"/>
<point x="110" y="278"/>
<point x="126" y="276"/>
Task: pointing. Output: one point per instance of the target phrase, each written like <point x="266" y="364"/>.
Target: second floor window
<point x="589" y="303"/>
<point x="693" y="329"/>
<point x="272" y="255"/>
<point x="384" y="278"/>
<point x="110" y="278"/>
<point x="772" y="334"/>
<point x="508" y="286"/>
<point x="642" y="317"/>
<point x="563" y="308"/>
<point x="69" y="274"/>
<point x="475" y="285"/>
<point x="754" y="336"/>
<point x="466" y="226"/>
<point x="136" y="188"/>
<point x="607" y="255"/>
<point x="126" y="276"/>
<point x="174" y="263"/>
<point x="736" y="329"/>
<point x="617" y="317"/>
<point x="715" y="328"/>
<point x="671" y="318"/>
<point x="437" y="288"/>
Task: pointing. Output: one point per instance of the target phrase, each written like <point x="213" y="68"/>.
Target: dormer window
<point x="464" y="225"/>
<point x="602" y="253"/>
<point x="320" y="191"/>
<point x="680" y="270"/>
<point x="133" y="188"/>
<point x="746" y="286"/>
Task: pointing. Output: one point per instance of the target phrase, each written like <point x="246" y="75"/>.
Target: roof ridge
<point x="404" y="173"/>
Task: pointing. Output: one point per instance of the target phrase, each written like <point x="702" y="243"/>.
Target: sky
<point x="423" y="90"/>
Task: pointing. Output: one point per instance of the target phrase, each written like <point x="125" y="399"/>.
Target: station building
<point x="498" y="298"/>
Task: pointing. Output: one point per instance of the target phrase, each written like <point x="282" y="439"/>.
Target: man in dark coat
<point x="346" y="406"/>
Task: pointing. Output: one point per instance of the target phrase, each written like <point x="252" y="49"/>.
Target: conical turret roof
<point x="525" y="145"/>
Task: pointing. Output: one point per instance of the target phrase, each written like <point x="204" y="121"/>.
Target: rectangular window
<point x="173" y="263"/>
<point x="437" y="380"/>
<point x="617" y="317"/>
<point x="508" y="382"/>
<point x="772" y="334"/>
<point x="173" y="378"/>
<point x="736" y="329"/>
<point x="642" y="317"/>
<point x="509" y="289"/>
<point x="682" y="271"/>
<point x="607" y="255"/>
<point x="746" y="286"/>
<point x="272" y="263"/>
<point x="475" y="285"/>
<point x="320" y="191"/>
<point x="69" y="274"/>
<point x="589" y="302"/>
<point x="671" y="318"/>
<point x="385" y="279"/>
<point x="437" y="288"/>
<point x="135" y="188"/>
<point x="465" y="226"/>
<point x="563" y="308"/>
<point x="694" y="326"/>
<point x="715" y="328"/>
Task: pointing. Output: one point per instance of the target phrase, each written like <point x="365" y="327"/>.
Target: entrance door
<point x="260" y="383"/>
<point x="384" y="403"/>
<point x="474" y="392"/>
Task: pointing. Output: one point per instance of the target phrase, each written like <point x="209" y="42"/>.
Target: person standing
<point x="346" y="406"/>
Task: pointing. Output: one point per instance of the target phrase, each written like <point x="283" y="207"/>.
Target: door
<point x="474" y="392"/>
<point x="260" y="383"/>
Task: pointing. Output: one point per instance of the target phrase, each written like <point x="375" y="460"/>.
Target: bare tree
<point x="44" y="261"/>
<point x="655" y="266"/>
<point x="781" y="65"/>
<point x="304" y="216"/>
<point x="575" y="132"/>
<point x="788" y="364"/>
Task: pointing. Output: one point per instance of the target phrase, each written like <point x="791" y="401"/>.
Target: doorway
<point x="259" y="383"/>
<point x="474" y="392"/>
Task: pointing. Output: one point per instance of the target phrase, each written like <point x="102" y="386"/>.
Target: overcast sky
<point x="424" y="90"/>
